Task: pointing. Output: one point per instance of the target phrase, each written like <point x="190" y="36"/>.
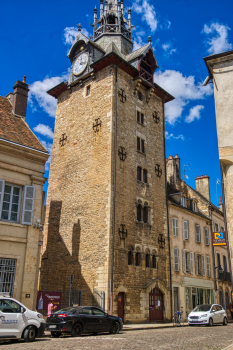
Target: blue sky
<point x="36" y="35"/>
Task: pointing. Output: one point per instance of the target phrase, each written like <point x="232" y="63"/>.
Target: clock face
<point x="80" y="64"/>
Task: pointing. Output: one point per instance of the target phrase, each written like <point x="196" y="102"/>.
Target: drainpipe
<point x="168" y="234"/>
<point x="114" y="196"/>
<point x="225" y="222"/>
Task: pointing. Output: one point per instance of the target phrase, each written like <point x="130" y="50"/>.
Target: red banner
<point x="49" y="301"/>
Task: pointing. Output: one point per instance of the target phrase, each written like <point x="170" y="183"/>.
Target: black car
<point x="78" y="320"/>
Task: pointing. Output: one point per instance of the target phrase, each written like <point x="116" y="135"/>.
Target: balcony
<point x="224" y="276"/>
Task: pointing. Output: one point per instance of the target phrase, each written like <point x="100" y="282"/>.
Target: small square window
<point x="88" y="90"/>
<point x="138" y="143"/>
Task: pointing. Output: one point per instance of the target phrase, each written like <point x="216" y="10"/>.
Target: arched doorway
<point x="121" y="302"/>
<point x="155" y="305"/>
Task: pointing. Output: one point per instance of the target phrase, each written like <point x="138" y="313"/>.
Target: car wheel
<point x="225" y="321"/>
<point x="55" y="334"/>
<point x="115" y="328"/>
<point x="76" y="330"/>
<point x="29" y="334"/>
<point x="211" y="322"/>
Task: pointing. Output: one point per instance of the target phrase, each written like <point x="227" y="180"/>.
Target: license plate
<point x="53" y="326"/>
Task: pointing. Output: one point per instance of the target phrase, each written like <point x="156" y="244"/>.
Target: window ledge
<point x="10" y="223"/>
<point x="143" y="153"/>
<point x="142" y="223"/>
<point x="143" y="183"/>
<point x="141" y="124"/>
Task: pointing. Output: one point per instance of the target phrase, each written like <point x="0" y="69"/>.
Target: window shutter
<point x="186" y="232"/>
<point x="175" y="226"/>
<point x="191" y="262"/>
<point x="196" y="263"/>
<point x="203" y="265"/>
<point x="208" y="271"/>
<point x="176" y="259"/>
<point x="28" y="205"/>
<point x="2" y="186"/>
<point x="198" y="234"/>
<point x="207" y="237"/>
<point x="184" y="262"/>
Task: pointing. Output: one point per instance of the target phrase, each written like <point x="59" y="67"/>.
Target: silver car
<point x="207" y="314"/>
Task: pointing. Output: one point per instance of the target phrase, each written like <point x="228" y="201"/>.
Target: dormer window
<point x="195" y="206"/>
<point x="183" y="201"/>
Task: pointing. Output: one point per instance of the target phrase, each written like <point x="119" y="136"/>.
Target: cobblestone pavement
<point x="190" y="338"/>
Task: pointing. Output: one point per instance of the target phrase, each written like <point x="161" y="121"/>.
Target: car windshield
<point x="66" y="309"/>
<point x="202" y="308"/>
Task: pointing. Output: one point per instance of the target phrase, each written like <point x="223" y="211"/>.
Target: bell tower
<point x="112" y="26"/>
<point x="106" y="217"/>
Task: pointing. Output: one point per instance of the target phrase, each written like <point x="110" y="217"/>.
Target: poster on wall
<point x="219" y="238"/>
<point x="49" y="301"/>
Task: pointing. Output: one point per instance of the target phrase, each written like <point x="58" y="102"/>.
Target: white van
<point x="17" y="321"/>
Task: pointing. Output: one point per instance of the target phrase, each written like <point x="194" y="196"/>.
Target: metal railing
<point x="224" y="276"/>
<point x="99" y="299"/>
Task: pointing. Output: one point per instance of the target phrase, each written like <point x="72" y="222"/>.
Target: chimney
<point x="203" y="186"/>
<point x="20" y="98"/>
<point x="173" y="169"/>
<point x="220" y="204"/>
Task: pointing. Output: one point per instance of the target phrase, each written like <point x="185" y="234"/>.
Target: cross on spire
<point x="79" y="27"/>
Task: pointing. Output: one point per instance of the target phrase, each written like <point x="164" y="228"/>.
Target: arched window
<point x="153" y="261"/>
<point x="139" y="173"/>
<point x="145" y="215"/>
<point x="138" y="259"/>
<point x="147" y="260"/>
<point x="139" y="212"/>
<point x="130" y="257"/>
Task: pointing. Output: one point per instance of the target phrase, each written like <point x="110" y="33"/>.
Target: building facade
<point x="200" y="271"/>
<point x="220" y="74"/>
<point x="106" y="217"/>
<point x="22" y="162"/>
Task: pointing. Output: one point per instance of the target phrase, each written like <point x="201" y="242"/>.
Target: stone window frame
<point x="138" y="257"/>
<point x="20" y="202"/>
<point x="140" y="96"/>
<point x="154" y="259"/>
<point x="187" y="261"/>
<point x="147" y="258"/>
<point x="86" y="90"/>
<point x="143" y="206"/>
<point x="130" y="256"/>
<point x="139" y="113"/>
<point x="140" y="174"/>
<point x="199" y="263"/>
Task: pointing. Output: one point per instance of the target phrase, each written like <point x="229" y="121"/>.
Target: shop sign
<point x="49" y="300"/>
<point x="219" y="238"/>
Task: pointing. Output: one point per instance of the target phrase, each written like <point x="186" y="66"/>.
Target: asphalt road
<point x="190" y="338"/>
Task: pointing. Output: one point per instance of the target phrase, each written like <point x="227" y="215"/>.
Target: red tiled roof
<point x="15" y="129"/>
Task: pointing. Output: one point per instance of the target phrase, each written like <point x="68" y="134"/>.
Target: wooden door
<point x="121" y="298"/>
<point x="155" y="305"/>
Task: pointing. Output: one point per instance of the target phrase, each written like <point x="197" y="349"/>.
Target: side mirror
<point x="106" y="315"/>
<point x="22" y="310"/>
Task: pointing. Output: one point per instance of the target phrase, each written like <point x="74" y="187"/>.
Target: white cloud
<point x="168" y="48"/>
<point x="217" y="37"/>
<point x="138" y="41"/>
<point x="194" y="113"/>
<point x="44" y="130"/>
<point x="148" y="13"/>
<point x="183" y="88"/>
<point x="70" y="34"/>
<point x="49" y="147"/>
<point x="171" y="136"/>
<point x="38" y="94"/>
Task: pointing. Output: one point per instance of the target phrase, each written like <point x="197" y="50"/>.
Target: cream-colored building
<point x="197" y="277"/>
<point x="22" y="162"/>
<point x="220" y="68"/>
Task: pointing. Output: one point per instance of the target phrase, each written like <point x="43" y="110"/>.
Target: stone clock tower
<point x="106" y="216"/>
